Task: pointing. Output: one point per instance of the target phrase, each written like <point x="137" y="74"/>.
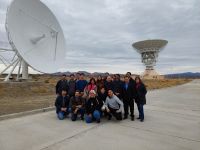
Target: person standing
<point x="128" y="95"/>
<point x="117" y="86"/>
<point x="113" y="106"/>
<point x="61" y="84"/>
<point x="81" y="83"/>
<point x="62" y="105"/>
<point x="99" y="83"/>
<point x="140" y="98"/>
<point x="109" y="84"/>
<point x="93" y="108"/>
<point x="72" y="85"/>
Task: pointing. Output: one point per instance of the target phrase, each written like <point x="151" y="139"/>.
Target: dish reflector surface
<point x="36" y="35"/>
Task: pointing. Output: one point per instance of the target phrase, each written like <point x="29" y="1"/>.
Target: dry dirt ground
<point x="40" y="93"/>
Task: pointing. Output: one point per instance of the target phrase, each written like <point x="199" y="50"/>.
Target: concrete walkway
<point x="172" y="122"/>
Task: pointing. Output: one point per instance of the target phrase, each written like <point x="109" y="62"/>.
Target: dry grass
<point x="164" y="83"/>
<point x="19" y="97"/>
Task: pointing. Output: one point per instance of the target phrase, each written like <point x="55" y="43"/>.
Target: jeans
<point x="141" y="111"/>
<point x="96" y="115"/>
<point x="61" y="114"/>
<point x="80" y="111"/>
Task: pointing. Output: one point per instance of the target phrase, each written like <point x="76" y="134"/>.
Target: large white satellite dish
<point x="36" y="36"/>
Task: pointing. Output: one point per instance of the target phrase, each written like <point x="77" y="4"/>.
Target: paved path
<point x="172" y="122"/>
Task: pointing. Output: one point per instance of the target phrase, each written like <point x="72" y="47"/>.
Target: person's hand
<point x="63" y="109"/>
<point x="90" y="115"/>
<point x="118" y="111"/>
<point x="76" y="110"/>
<point x="108" y="110"/>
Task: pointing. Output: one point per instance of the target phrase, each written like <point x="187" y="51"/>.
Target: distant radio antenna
<point x="35" y="36"/>
<point x="149" y="50"/>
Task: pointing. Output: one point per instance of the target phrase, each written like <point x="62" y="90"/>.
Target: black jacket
<point x="91" y="105"/>
<point x="102" y="97"/>
<point x="141" y="94"/>
<point x="129" y="93"/>
<point x="61" y="102"/>
<point x="75" y="101"/>
<point x="117" y="88"/>
<point x="61" y="85"/>
<point x="109" y="86"/>
<point x="72" y="87"/>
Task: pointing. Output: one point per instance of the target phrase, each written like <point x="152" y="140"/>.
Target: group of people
<point x="102" y="97"/>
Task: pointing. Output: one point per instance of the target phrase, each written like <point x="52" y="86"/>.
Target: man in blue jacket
<point x="81" y="83"/>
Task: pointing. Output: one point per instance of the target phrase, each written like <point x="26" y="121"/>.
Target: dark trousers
<point x="140" y="110"/>
<point x="80" y="111"/>
<point x="117" y="115"/>
<point x="128" y="104"/>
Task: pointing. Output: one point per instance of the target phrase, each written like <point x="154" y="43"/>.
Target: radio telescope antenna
<point x="35" y="36"/>
<point x="149" y="50"/>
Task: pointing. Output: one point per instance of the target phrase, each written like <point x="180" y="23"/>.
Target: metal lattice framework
<point x="149" y="50"/>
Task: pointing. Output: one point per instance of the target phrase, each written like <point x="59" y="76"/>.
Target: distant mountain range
<point x="184" y="75"/>
<point x="176" y="75"/>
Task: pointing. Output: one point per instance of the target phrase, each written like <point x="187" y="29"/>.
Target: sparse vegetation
<point x="18" y="97"/>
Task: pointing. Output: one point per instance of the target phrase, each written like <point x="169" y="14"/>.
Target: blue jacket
<point x="80" y="85"/>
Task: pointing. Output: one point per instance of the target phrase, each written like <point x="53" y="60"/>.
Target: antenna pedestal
<point x="24" y="70"/>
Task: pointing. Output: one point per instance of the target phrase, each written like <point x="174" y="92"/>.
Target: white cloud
<point x="99" y="34"/>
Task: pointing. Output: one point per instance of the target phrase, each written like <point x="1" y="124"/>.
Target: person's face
<point x="117" y="77"/>
<point x="110" y="93"/>
<point x="137" y="80"/>
<point x="81" y="77"/>
<point x="128" y="74"/>
<point x="77" y="94"/>
<point x="72" y="77"/>
<point x="64" y="93"/>
<point x="114" y="77"/>
<point x="109" y="79"/>
<point x="92" y="81"/>
<point x="92" y="95"/>
<point x="99" y="77"/>
<point x="103" y="91"/>
<point x="77" y="76"/>
<point x="63" y="77"/>
<point x="126" y="79"/>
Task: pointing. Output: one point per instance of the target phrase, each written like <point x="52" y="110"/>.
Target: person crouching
<point x="113" y="106"/>
<point x="92" y="108"/>
<point x="78" y="104"/>
<point x="62" y="105"/>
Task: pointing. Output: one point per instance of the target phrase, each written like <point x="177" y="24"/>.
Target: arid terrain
<point x="40" y="92"/>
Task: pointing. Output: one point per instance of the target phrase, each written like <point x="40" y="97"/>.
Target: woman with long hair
<point x="141" y="97"/>
<point x="90" y="86"/>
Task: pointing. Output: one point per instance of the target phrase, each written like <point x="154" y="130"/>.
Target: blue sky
<point x="99" y="33"/>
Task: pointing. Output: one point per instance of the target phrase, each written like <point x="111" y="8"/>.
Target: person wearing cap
<point x="113" y="106"/>
<point x="93" y="108"/>
<point x="61" y="84"/>
<point x="81" y="83"/>
<point x="78" y="106"/>
<point x="62" y="105"/>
